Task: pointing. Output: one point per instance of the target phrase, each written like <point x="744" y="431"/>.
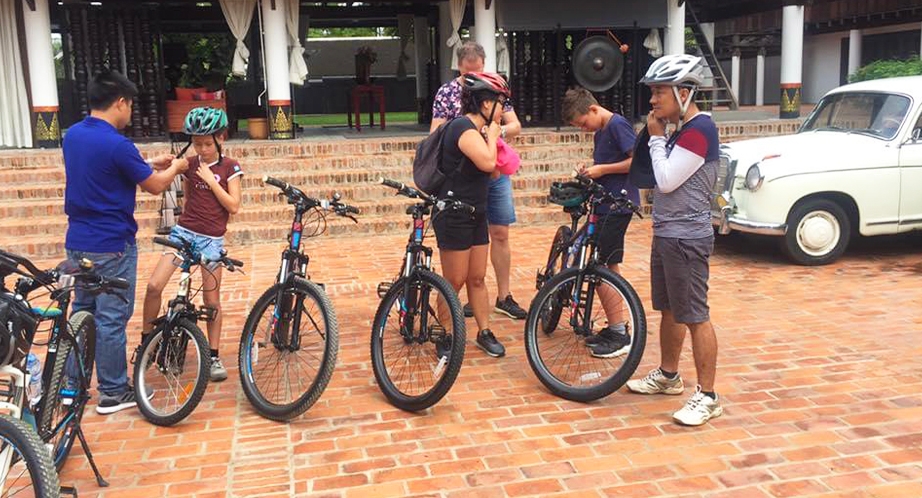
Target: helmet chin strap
<point x="489" y="120"/>
<point x="683" y="106"/>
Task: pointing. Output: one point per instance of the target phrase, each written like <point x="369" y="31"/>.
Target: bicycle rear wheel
<point x="26" y="468"/>
<point x="61" y="408"/>
<point x="416" y="350"/>
<point x="561" y="360"/>
<point x="171" y="372"/>
<point x="280" y="380"/>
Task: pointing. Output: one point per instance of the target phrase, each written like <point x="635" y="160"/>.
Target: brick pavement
<point x="818" y="372"/>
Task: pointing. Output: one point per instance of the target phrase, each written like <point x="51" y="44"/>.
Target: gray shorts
<point x="679" y="270"/>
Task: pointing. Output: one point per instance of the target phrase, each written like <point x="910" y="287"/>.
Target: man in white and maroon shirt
<point x="685" y="168"/>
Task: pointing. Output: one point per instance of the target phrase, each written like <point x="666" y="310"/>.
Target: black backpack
<point x="427" y="172"/>
<point x="641" y="173"/>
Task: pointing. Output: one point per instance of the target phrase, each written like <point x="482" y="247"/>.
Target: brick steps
<point x="48" y="242"/>
<point x="311" y="181"/>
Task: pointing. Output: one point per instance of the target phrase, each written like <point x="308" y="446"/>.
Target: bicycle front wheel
<point x="287" y="356"/>
<point x="26" y="468"/>
<point x="561" y="360"/>
<point x="61" y="408"/>
<point x="549" y="314"/>
<point x="418" y="341"/>
<point x="171" y="372"/>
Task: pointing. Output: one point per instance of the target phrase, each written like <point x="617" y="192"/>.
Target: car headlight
<point x="754" y="178"/>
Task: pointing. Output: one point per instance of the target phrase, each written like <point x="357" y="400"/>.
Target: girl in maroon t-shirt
<point x="211" y="189"/>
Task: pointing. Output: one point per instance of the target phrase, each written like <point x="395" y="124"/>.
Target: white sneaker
<point x="698" y="409"/>
<point x="657" y="383"/>
<point x="218" y="372"/>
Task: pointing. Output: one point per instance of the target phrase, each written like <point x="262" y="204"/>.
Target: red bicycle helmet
<point x="487" y="82"/>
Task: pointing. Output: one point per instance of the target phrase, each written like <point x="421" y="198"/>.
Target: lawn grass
<point x="314" y="120"/>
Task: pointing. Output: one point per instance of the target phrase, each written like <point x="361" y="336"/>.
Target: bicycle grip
<point x="275" y="182"/>
<point x="390" y="183"/>
<point x="236" y="262"/>
<point x="352" y="209"/>
<point x="169" y="243"/>
<point x="117" y="283"/>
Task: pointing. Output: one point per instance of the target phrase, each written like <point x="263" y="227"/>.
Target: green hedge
<point x="887" y="69"/>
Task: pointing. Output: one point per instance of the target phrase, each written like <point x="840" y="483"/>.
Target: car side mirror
<point x="917" y="134"/>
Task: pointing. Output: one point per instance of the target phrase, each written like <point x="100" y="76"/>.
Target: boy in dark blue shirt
<point x="614" y="145"/>
<point x="103" y="170"/>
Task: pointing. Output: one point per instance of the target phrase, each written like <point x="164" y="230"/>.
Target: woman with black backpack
<point x="468" y="161"/>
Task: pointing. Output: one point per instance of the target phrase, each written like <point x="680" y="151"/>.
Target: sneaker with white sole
<point x="698" y="409"/>
<point x="657" y="383"/>
<point x="109" y="404"/>
<point x="218" y="373"/>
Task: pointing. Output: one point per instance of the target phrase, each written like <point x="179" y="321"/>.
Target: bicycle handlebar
<point x="599" y="191"/>
<point x="413" y="193"/>
<point x="297" y="196"/>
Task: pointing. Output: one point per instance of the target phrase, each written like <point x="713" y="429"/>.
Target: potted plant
<point x="365" y="56"/>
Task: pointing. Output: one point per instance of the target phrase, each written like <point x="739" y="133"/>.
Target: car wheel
<point x="818" y="232"/>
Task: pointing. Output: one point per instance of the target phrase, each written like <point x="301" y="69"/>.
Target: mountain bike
<point x="171" y="364"/>
<point x="418" y="335"/>
<point x="68" y="368"/>
<point x="289" y="343"/>
<point x="568" y="308"/>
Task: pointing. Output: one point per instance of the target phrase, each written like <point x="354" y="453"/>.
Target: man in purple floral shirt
<point x="500" y="207"/>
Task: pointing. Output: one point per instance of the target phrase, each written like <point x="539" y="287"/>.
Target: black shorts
<point x="679" y="270"/>
<point x="612" y="228"/>
<point x="457" y="231"/>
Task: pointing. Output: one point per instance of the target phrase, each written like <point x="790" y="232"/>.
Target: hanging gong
<point x="597" y="63"/>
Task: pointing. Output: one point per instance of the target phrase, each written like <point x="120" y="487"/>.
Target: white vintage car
<point x="855" y="166"/>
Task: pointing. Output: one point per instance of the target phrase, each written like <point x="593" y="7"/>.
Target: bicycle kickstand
<point x="89" y="456"/>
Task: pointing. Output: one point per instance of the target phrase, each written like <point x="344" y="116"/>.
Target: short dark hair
<point x="107" y="87"/>
<point x="471" y="50"/>
<point x="576" y="103"/>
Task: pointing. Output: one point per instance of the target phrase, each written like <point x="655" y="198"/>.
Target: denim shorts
<point x="203" y="246"/>
<point x="500" y="207"/>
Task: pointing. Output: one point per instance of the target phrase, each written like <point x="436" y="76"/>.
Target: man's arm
<point x="511" y="123"/>
<point x="159" y="181"/>
<point x="436" y="122"/>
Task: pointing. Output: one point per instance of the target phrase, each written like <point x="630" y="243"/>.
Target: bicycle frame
<point x="418" y="257"/>
<point x="293" y="264"/>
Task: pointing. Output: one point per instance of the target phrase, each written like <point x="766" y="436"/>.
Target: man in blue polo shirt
<point x="103" y="171"/>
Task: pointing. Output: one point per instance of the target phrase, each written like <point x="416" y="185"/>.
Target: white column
<point x="275" y="34"/>
<point x="708" y="29"/>
<point x="275" y="41"/>
<point x="792" y="53"/>
<point x="735" y="74"/>
<point x="674" y="42"/>
<point x="421" y="43"/>
<point x="760" y="78"/>
<point x="445" y="71"/>
<point x="485" y="32"/>
<point x="854" y="50"/>
<point x="42" y="80"/>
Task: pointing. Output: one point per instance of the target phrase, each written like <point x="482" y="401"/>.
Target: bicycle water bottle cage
<point x="567" y="194"/>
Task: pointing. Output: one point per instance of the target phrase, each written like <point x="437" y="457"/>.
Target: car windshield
<point x="876" y="114"/>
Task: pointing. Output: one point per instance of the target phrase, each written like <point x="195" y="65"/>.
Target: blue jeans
<point x="111" y="314"/>
<point x="500" y="206"/>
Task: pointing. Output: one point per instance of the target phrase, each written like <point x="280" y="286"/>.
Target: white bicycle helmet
<point x="677" y="71"/>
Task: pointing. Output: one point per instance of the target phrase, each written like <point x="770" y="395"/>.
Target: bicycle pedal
<point x="383" y="287"/>
<point x="207" y="314"/>
<point x="69" y="490"/>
